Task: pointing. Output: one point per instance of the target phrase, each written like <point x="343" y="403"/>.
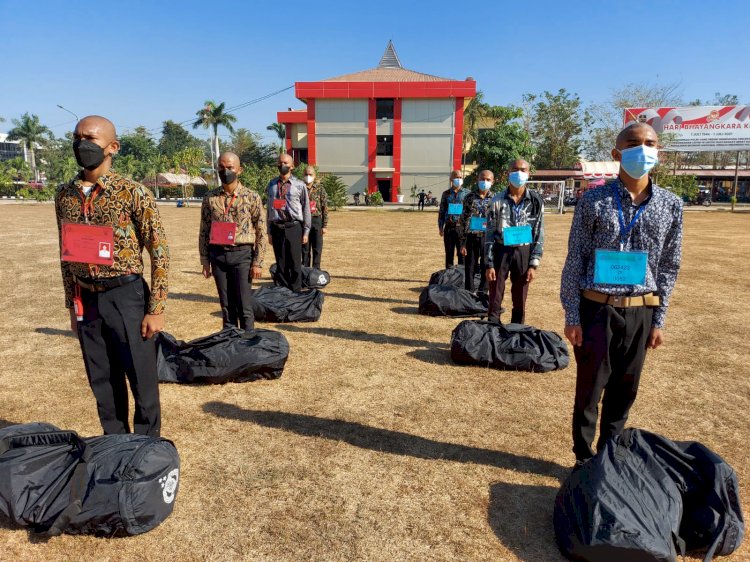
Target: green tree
<point x="174" y="138"/>
<point x="478" y="116"/>
<point x="557" y="123"/>
<point x="30" y="130"/>
<point x="189" y="161"/>
<point x="57" y="161"/>
<point x="138" y="152"/>
<point x="250" y="149"/>
<point x="212" y="116"/>
<point x="13" y="172"/>
<point x="257" y="178"/>
<point x="280" y="130"/>
<point x="335" y="189"/>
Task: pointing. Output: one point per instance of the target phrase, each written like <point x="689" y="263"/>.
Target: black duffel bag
<point x="232" y="355"/>
<point x="511" y="347"/>
<point x="279" y="304"/>
<point x="646" y="498"/>
<point x="54" y="482"/>
<point x="311" y="278"/>
<point x="447" y="300"/>
<point x="453" y="276"/>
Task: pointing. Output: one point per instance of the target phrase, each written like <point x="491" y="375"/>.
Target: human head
<point x="95" y="142"/>
<point x="518" y="173"/>
<point x="639" y="162"/>
<point x="457" y="179"/>
<point x="229" y="167"/>
<point x="310" y="175"/>
<point x="485" y="179"/>
<point x="285" y="163"/>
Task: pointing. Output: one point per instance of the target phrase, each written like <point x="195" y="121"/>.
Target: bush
<point x="335" y="189"/>
<point x="376" y="199"/>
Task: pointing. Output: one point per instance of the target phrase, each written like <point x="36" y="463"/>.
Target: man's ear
<point x="114" y="146"/>
<point x="616" y="155"/>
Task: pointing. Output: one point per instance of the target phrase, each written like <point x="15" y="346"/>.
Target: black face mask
<point x="227" y="176"/>
<point x="284" y="169"/>
<point x="89" y="155"/>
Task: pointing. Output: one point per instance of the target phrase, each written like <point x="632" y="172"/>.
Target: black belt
<point x="102" y="285"/>
<point x="285" y="224"/>
<point x="234" y="248"/>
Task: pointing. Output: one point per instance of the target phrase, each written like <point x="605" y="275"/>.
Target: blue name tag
<point x="478" y="224"/>
<point x="620" y="268"/>
<point x="517" y="235"/>
<point x="455" y="208"/>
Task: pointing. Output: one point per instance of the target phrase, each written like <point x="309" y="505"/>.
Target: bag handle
<point x="42" y="439"/>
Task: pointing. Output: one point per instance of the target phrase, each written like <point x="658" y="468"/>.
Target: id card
<point x="313" y="206"/>
<point x="279" y="204"/>
<point x="87" y="243"/>
<point x="223" y="233"/>
<point x="478" y="224"/>
<point x="455" y="208"/>
<point x="517" y="235"/>
<point x="612" y="267"/>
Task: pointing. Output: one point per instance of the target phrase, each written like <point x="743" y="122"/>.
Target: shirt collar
<point x="104" y="180"/>
<point x="524" y="196"/>
<point x="625" y="194"/>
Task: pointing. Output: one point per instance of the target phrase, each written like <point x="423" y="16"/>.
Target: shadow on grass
<point x="193" y="297"/>
<point x="6" y="423"/>
<point x="55" y="332"/>
<point x="355" y="297"/>
<point x="355" y="278"/>
<point x="405" y="309"/>
<point x="433" y="356"/>
<point x="358" y="335"/>
<point x="520" y="515"/>
<point x="384" y="440"/>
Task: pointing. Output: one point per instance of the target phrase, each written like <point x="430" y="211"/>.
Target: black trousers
<point x="231" y="271"/>
<point x="314" y="246"/>
<point x="513" y="261"/>
<point x="609" y="362"/>
<point x="452" y="245"/>
<point x="420" y="205"/>
<point x="113" y="349"/>
<point x="287" y="248"/>
<point x="474" y="261"/>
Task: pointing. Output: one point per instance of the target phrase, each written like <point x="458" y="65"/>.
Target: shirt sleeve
<point x="205" y="231"/>
<point x="537" y="248"/>
<point x="580" y="243"/>
<point x="269" y="205"/>
<point x="304" y="199"/>
<point x="324" y="205"/>
<point x="68" y="278"/>
<point x="463" y="221"/>
<point x="258" y="216"/>
<point x="493" y="220"/>
<point x="442" y="211"/>
<point x="669" y="266"/>
<point x="151" y="233"/>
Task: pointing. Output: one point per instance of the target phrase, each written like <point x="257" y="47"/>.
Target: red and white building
<point x="386" y="128"/>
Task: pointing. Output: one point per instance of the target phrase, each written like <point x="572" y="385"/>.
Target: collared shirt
<point x="474" y="206"/>
<point x="246" y="212"/>
<point x="317" y="193"/>
<point x="450" y="197"/>
<point x="504" y="211"/>
<point x="596" y="224"/>
<point x="297" y="202"/>
<point x="130" y="209"/>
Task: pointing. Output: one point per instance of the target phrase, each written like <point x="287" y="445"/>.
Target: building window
<point x="384" y="108"/>
<point x="385" y="145"/>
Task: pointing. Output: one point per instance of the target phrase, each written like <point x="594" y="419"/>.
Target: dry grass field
<point x="372" y="445"/>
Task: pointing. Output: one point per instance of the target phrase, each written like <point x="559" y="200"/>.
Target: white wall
<point x="427" y="137"/>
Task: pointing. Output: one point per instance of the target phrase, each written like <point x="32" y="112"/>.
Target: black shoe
<point x="580" y="463"/>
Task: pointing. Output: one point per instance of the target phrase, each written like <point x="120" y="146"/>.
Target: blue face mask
<point x="518" y="179"/>
<point x="638" y="161"/>
<point x="484" y="185"/>
<point x="457" y="182"/>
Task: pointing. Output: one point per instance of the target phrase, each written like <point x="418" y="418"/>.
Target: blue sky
<point x="140" y="62"/>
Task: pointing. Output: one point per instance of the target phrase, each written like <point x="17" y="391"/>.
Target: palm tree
<point x="212" y="116"/>
<point x="280" y="130"/>
<point x="29" y="130"/>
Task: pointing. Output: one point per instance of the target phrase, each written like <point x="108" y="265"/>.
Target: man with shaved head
<point x="105" y="221"/>
<point x="515" y="242"/>
<point x="232" y="242"/>
<point x="289" y="222"/>
<point x="472" y="228"/>
<point x="313" y="250"/>
<point x="451" y="208"/>
<point x="624" y="254"/>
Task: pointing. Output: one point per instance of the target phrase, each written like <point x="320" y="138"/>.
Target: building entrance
<point x="384" y="187"/>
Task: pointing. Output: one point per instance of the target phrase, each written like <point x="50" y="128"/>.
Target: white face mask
<point x="309" y="179"/>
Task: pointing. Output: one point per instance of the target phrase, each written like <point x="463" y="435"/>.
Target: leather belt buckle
<point x="618" y="301"/>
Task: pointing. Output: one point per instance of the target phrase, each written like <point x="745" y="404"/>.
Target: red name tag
<point x="279" y="204"/>
<point x="223" y="233"/>
<point x="313" y="206"/>
<point x="87" y="243"/>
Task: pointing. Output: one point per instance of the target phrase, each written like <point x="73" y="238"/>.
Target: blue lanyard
<point x="625" y="230"/>
<point x="482" y="205"/>
<point x="517" y="209"/>
<point x="454" y="194"/>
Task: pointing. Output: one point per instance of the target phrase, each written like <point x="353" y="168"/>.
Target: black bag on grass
<point x="646" y="498"/>
<point x="453" y="276"/>
<point x="232" y="355"/>
<point x="54" y="482"/>
<point x="311" y="278"/>
<point x="447" y="300"/>
<point x="279" y="304"/>
<point x="512" y="347"/>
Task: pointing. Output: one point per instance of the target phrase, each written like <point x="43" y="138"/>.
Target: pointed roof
<point x="389" y="69"/>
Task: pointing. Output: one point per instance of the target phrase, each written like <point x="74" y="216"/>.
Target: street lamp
<point x="69" y="111"/>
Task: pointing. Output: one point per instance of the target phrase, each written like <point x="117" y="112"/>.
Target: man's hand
<point x="324" y="231"/>
<point x="491" y="276"/>
<point x="255" y="272"/>
<point x="463" y="251"/>
<point x="574" y="334"/>
<point x="206" y="271"/>
<point x="73" y="321"/>
<point x="305" y="238"/>
<point x="655" y="338"/>
<point x="441" y="231"/>
<point x="530" y="274"/>
<point x="152" y="324"/>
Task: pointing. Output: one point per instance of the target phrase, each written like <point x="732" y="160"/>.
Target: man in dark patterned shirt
<point x="451" y="207"/>
<point x="319" y="222"/>
<point x="624" y="253"/>
<point x="472" y="227"/>
<point x="232" y="242"/>
<point x="105" y="221"/>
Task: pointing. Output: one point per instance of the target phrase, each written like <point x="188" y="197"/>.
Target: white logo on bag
<point x="169" y="485"/>
<point x="322" y="279"/>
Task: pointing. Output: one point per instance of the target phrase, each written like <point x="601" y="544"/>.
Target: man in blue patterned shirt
<point x="624" y="253"/>
<point x="451" y="207"/>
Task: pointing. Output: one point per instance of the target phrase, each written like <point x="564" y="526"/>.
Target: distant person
<point x="429" y="199"/>
<point x="288" y="222"/>
<point x="472" y="230"/>
<point x="624" y="254"/>
<point x="514" y="246"/>
<point x="313" y="250"/>
<point x="232" y="242"/>
<point x="451" y="207"/>
<point x="421" y="196"/>
<point x="105" y="221"/>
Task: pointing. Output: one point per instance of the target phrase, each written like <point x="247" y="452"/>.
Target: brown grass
<point x="372" y="445"/>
